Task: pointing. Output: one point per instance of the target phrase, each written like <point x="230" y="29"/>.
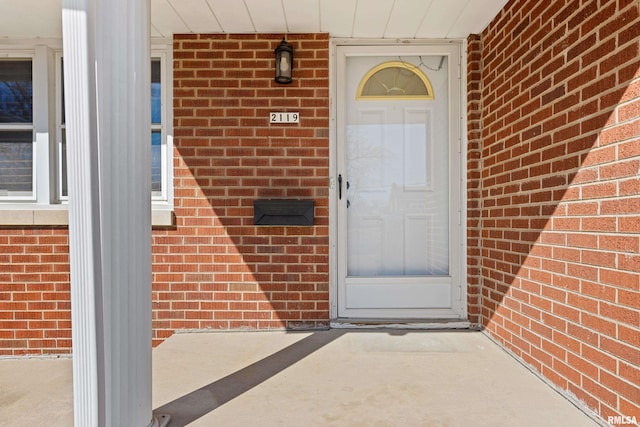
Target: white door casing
<point x="397" y="192"/>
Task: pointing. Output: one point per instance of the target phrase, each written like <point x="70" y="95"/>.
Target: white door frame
<point x="459" y="244"/>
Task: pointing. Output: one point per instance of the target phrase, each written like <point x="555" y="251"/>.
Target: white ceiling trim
<point x="389" y="19"/>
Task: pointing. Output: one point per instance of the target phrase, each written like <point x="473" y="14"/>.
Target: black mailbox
<point x="283" y="212"/>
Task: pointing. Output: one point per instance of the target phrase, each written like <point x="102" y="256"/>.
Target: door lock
<point x="340" y="186"/>
<point x="340" y="189"/>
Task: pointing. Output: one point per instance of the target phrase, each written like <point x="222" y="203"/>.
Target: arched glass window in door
<point x="395" y="80"/>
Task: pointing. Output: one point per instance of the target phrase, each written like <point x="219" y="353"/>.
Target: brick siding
<point x="560" y="193"/>
<point x="217" y="270"/>
<point x="553" y="198"/>
<point x="35" y="316"/>
<point x="474" y="159"/>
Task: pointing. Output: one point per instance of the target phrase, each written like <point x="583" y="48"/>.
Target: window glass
<point x="62" y="143"/>
<point x="16" y="92"/>
<point x="16" y="128"/>
<point x="16" y="163"/>
<point x="395" y="80"/>
<point x="64" y="188"/>
<point x="62" y="112"/>
<point x="156" y="92"/>
<point x="156" y="136"/>
<point x="156" y="129"/>
<point x="156" y="161"/>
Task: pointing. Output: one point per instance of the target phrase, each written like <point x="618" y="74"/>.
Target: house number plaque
<point x="288" y="117"/>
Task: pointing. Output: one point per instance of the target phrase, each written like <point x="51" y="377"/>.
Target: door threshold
<point x="424" y="324"/>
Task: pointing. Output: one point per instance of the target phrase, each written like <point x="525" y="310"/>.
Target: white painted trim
<point x="22" y="43"/>
<point x="333" y="174"/>
<point x="165" y="163"/>
<point x="47" y="138"/>
<point x="56" y="171"/>
<point x="43" y="114"/>
<point x="38" y="89"/>
<point x="168" y="123"/>
<point x="27" y="43"/>
<point x="463" y="179"/>
<point x="392" y="42"/>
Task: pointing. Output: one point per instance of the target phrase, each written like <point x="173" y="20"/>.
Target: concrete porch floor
<point x="381" y="377"/>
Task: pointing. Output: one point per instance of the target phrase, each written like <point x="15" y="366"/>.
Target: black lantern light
<point x="284" y="62"/>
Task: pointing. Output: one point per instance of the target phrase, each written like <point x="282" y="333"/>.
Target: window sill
<point x="59" y="216"/>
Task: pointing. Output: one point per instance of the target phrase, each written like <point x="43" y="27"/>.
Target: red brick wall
<point x="474" y="159"/>
<point x="560" y="194"/>
<point x="35" y="316"/>
<point x="216" y="269"/>
<point x="553" y="186"/>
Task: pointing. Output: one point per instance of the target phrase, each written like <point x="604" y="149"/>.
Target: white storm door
<point x="398" y="225"/>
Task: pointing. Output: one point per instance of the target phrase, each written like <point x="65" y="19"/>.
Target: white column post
<point x="107" y="96"/>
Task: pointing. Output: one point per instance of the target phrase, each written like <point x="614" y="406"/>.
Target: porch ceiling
<point x="340" y="18"/>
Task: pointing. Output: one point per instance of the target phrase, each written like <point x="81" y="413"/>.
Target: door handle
<point x="340" y="189"/>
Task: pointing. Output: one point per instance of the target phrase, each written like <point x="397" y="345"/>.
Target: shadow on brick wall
<point x="217" y="270"/>
<point x="559" y="196"/>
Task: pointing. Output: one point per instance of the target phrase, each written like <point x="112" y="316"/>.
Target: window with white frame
<point x="17" y="174"/>
<point x="33" y="163"/>
<point x="158" y="135"/>
<point x="159" y="152"/>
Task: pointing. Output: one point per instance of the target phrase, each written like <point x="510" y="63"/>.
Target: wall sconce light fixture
<point x="284" y="62"/>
